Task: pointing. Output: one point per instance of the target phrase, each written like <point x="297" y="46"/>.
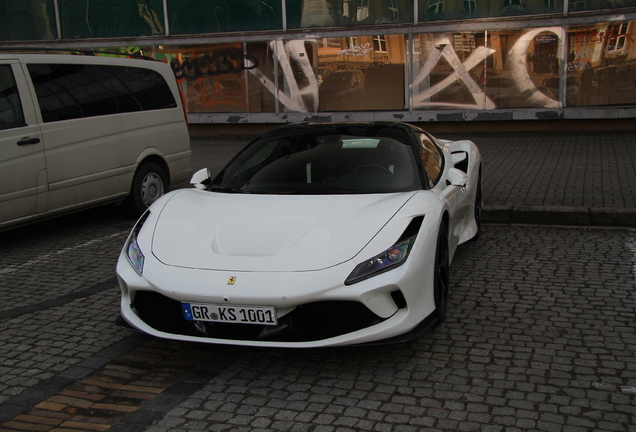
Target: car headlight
<point x="133" y="252"/>
<point x="389" y="259"/>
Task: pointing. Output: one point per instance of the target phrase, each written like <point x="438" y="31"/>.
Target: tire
<point x="478" y="208"/>
<point x="149" y="184"/>
<point x="441" y="288"/>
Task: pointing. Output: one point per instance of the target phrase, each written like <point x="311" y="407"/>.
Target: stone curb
<point x="551" y="215"/>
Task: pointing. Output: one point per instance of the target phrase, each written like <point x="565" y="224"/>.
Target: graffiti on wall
<point x="211" y="77"/>
<point x="460" y="71"/>
<point x="508" y="88"/>
<point x="300" y="85"/>
<point x="213" y="82"/>
<point x="356" y="50"/>
<point x="222" y="62"/>
<point x="518" y="65"/>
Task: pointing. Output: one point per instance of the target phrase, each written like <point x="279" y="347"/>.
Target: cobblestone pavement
<point x="540" y="334"/>
<point x="540" y="337"/>
<point x="559" y="169"/>
<point x="57" y="284"/>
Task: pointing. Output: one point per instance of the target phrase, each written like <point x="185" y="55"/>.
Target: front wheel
<point x="441" y="289"/>
<point x="149" y="184"/>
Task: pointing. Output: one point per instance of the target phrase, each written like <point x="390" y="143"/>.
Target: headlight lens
<point x="135" y="255"/>
<point x="133" y="251"/>
<point x="387" y="260"/>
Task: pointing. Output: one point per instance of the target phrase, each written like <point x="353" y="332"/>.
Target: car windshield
<point x="324" y="161"/>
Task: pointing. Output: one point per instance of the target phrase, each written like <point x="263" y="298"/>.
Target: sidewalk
<point x="542" y="178"/>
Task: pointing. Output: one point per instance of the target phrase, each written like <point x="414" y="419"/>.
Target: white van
<point x="77" y="131"/>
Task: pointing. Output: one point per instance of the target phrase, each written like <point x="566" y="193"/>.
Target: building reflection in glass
<point x="499" y="69"/>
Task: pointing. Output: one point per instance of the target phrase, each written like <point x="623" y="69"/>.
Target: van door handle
<point x="27" y="140"/>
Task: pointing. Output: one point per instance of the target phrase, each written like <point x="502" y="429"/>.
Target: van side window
<point x="11" y="114"/>
<point x="70" y="91"/>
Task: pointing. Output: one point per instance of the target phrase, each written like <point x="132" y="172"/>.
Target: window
<point x="69" y="91"/>
<point x="362" y="10"/>
<point x="379" y="43"/>
<point x="617" y="37"/>
<point x="577" y="5"/>
<point x="470" y="7"/>
<point x="435" y="10"/>
<point x="393" y="9"/>
<point x="431" y="159"/>
<point x="417" y="46"/>
<point x="323" y="160"/>
<point x="11" y="114"/>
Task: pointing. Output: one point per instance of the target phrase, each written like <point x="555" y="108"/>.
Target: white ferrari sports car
<point x="315" y="234"/>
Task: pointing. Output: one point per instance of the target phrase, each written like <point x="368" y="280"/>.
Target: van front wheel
<point x="150" y="183"/>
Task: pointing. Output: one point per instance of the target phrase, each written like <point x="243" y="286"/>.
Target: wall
<point x="418" y="61"/>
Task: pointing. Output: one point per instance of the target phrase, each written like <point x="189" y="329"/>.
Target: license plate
<point x="229" y="313"/>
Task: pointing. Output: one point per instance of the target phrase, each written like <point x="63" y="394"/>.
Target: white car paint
<point x="199" y="229"/>
<point x="286" y="251"/>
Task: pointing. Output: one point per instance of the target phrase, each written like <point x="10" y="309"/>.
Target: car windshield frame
<point x="347" y="158"/>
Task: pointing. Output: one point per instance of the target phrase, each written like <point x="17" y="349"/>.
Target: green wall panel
<point x="27" y="20"/>
<point x="111" y="18"/>
<point x="213" y="16"/>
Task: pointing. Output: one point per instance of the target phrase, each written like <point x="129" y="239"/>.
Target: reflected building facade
<point x="268" y="61"/>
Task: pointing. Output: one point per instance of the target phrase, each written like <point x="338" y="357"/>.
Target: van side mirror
<point x="201" y="178"/>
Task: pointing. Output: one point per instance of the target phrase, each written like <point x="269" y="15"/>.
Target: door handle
<point x="27" y="141"/>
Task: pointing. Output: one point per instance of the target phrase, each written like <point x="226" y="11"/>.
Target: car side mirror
<point x="201" y="178"/>
<point x="455" y="181"/>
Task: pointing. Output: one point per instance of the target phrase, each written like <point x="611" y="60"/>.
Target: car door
<point x="23" y="183"/>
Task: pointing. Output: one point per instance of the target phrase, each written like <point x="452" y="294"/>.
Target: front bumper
<point x="314" y="309"/>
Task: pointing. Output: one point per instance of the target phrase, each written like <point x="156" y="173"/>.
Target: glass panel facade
<point x="260" y="79"/>
<point x="243" y="77"/>
<point x="499" y="69"/>
<point x="83" y="19"/>
<point x="297" y="82"/>
<point x="591" y="5"/>
<point x="361" y="73"/>
<point x="602" y="63"/>
<point x="211" y="77"/>
<point x="435" y="10"/>
<point x="87" y="19"/>
<point x="523" y="71"/>
<point x="449" y="71"/>
<point x="214" y="16"/>
<point x="329" y="13"/>
<point x="27" y="20"/>
<point x="592" y="64"/>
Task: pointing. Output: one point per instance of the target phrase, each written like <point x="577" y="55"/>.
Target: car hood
<point x="240" y="232"/>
